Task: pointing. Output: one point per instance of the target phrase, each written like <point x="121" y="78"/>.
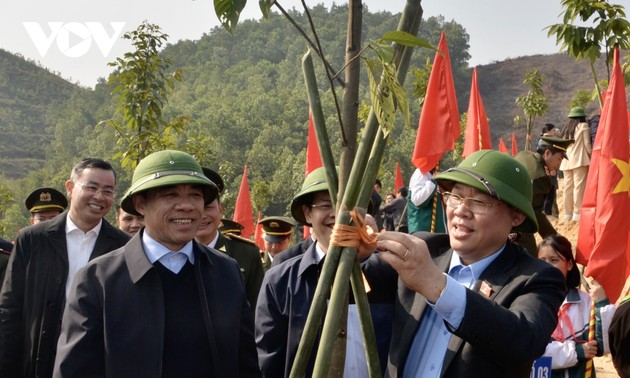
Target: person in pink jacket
<point x="575" y="166"/>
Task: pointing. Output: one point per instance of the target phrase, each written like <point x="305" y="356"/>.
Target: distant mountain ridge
<point x="26" y="92"/>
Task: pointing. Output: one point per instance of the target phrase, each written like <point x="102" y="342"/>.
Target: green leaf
<point x="406" y="39"/>
<point x="228" y="12"/>
<point x="265" y="7"/>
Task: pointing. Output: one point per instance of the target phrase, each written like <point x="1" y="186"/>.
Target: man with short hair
<point x="243" y="250"/>
<point x="128" y="223"/>
<point x="396" y="211"/>
<point x="471" y="303"/>
<point x="42" y="267"/>
<point x="45" y="204"/>
<point x="163" y="305"/>
<point x="549" y="154"/>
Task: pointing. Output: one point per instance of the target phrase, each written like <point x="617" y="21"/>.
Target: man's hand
<point x="410" y="257"/>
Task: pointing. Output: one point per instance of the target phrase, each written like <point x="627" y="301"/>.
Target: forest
<point x="244" y="98"/>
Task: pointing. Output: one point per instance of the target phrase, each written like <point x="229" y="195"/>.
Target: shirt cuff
<point x="451" y="304"/>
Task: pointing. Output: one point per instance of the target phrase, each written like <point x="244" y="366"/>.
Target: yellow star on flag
<point x="624" y="184"/>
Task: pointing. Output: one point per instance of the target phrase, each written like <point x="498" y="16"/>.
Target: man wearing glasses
<point x="472" y="303"/>
<point x="43" y="264"/>
<point x="288" y="289"/>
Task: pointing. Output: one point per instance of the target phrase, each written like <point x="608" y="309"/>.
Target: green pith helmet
<point x="315" y="182"/>
<point x="576" y="112"/>
<point x="500" y="176"/>
<point x="167" y="168"/>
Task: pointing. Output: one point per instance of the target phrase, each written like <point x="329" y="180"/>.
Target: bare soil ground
<point x="603" y="365"/>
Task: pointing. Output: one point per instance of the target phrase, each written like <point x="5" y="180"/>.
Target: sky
<point x="76" y="39"/>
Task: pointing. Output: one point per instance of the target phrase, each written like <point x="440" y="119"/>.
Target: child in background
<point x="569" y="348"/>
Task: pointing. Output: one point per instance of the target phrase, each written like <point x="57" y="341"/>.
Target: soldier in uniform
<point x="230" y="227"/>
<point x="277" y="236"/>
<point x="45" y="204"/>
<point x="549" y="154"/>
<point x="243" y="250"/>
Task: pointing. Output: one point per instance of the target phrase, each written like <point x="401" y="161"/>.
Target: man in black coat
<point x="43" y="264"/>
<point x="163" y="305"/>
<point x="473" y="304"/>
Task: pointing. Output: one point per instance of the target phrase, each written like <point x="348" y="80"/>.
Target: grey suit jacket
<point x="500" y="335"/>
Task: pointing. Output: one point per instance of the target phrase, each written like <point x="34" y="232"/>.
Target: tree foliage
<point x="143" y="83"/>
<point x="534" y="103"/>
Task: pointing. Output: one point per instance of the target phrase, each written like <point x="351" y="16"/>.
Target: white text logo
<point x="74" y="39"/>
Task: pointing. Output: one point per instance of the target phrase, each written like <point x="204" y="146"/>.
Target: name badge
<point x="541" y="368"/>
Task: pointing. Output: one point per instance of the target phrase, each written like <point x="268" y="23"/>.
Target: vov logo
<point x="74" y="39"/>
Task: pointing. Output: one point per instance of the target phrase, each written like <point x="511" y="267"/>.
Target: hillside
<point x="501" y="83"/>
<point x="26" y="92"/>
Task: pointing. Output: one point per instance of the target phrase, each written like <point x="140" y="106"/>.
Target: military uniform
<point x="542" y="186"/>
<point x="277" y="230"/>
<point x="45" y="200"/>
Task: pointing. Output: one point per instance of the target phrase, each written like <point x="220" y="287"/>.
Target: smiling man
<point x="41" y="269"/>
<point x="471" y="303"/>
<point x="288" y="288"/>
<point x="163" y="305"/>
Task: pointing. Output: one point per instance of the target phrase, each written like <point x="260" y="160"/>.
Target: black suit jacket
<point x="500" y="335"/>
<point x="33" y="295"/>
<point x="247" y="255"/>
<point x="292" y="251"/>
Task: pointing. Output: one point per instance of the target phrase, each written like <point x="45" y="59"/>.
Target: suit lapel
<point x="493" y="279"/>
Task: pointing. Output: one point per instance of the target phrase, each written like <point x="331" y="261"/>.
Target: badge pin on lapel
<point x="485" y="289"/>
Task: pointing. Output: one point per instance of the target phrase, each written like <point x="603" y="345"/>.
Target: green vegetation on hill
<point x="245" y="96"/>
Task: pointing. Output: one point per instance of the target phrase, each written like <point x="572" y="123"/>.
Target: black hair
<point x="86" y="163"/>
<point x="547" y="127"/>
<point x="562" y="246"/>
<point x="403" y="191"/>
<point x="378" y="182"/>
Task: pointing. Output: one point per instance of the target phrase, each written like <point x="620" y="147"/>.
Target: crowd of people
<point x="175" y="291"/>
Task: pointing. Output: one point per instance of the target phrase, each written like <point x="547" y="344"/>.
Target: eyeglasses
<point x="325" y="206"/>
<point x="474" y="205"/>
<point x="94" y="190"/>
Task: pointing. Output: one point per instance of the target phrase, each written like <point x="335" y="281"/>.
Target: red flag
<point x="604" y="223"/>
<point x="399" y="183"/>
<point x="243" y="212"/>
<point x="502" y="147"/>
<point x="258" y="235"/>
<point x="313" y="157"/>
<point x="514" y="146"/>
<point x="477" y="135"/>
<point x="438" y="126"/>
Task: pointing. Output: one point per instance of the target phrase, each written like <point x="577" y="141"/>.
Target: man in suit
<point x="244" y="251"/>
<point x="484" y="306"/>
<point x="42" y="267"/>
<point x="163" y="305"/>
<point x="288" y="289"/>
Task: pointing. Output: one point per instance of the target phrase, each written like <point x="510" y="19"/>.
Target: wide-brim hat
<point x="314" y="182"/>
<point x="576" y="112"/>
<point x="45" y="199"/>
<point x="167" y="168"/>
<point x="498" y="175"/>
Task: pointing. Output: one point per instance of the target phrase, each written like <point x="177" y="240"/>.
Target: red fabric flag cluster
<point x="438" y="126"/>
<point x="399" y="182"/>
<point x="313" y="157"/>
<point x="477" y="135"/>
<point x="243" y="212"/>
<point x="502" y="147"/>
<point x="258" y="235"/>
<point x="603" y="237"/>
<point x="514" y="146"/>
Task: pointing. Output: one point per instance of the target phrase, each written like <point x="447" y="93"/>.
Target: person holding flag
<point x="570" y="347"/>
